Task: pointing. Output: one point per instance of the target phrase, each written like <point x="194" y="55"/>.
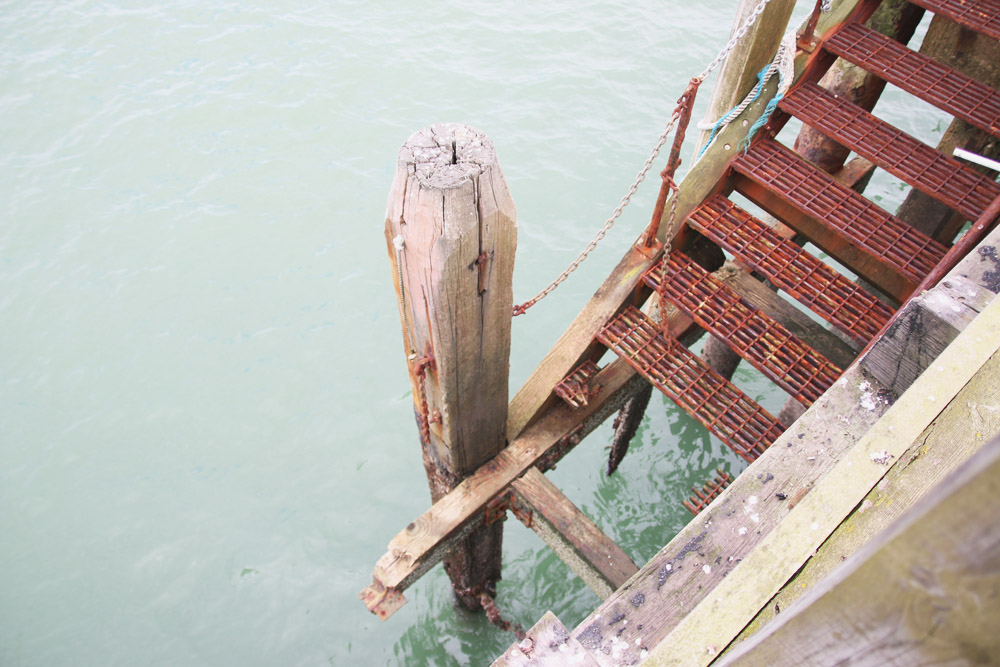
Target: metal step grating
<point x="945" y="88"/>
<point x="711" y="489"/>
<point x="942" y="177"/>
<point x="828" y="293"/>
<point x="765" y="343"/>
<point x="981" y="15"/>
<point x="738" y="421"/>
<point x="819" y="196"/>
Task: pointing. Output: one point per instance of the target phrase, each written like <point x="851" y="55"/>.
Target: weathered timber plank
<point x="756" y="49"/>
<point x="674" y="580"/>
<point x="982" y="265"/>
<point x="547" y="644"/>
<point x="927" y="325"/>
<point x="926" y="591"/>
<point x="423" y="543"/>
<point x="572" y="535"/>
<point x="970" y="420"/>
<point x="735" y="600"/>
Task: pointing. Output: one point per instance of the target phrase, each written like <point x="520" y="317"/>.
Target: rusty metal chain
<point x="647" y="165"/>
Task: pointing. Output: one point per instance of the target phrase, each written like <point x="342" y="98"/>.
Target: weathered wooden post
<point x="451" y="232"/>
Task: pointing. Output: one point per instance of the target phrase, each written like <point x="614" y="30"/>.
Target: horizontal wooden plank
<point x="736" y="599"/>
<point x="969" y="421"/>
<point x="547" y="644"/>
<point x="925" y="591"/>
<point x="572" y="535"/>
<point x="707" y="549"/>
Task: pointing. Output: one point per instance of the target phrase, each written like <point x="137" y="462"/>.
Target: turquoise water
<point x="206" y="435"/>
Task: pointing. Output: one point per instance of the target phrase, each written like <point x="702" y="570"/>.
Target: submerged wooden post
<point x="451" y="233"/>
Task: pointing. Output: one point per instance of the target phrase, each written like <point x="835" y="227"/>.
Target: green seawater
<point x="206" y="432"/>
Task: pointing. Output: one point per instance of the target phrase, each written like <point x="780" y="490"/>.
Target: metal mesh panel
<point x="940" y="176"/>
<point x="828" y="293"/>
<point x="744" y="426"/>
<point x="945" y="88"/>
<point x="765" y="343"/>
<point x="816" y="194"/>
<point x="982" y="15"/>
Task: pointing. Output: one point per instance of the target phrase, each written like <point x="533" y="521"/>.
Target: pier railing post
<point x="451" y="233"/>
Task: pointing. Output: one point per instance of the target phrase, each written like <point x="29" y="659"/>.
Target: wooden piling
<point x="451" y="234"/>
<point x="739" y="73"/>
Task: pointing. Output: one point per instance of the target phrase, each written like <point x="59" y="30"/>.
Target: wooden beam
<point x="570" y="533"/>
<point x="737" y="598"/>
<point x="423" y="543"/>
<point x="926" y="591"/>
<point x="738" y="74"/>
<point x="970" y="421"/>
<point x="927" y="325"/>
<point x="547" y="644"/>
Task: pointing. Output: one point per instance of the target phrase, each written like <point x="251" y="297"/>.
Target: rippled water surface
<point x="206" y="435"/>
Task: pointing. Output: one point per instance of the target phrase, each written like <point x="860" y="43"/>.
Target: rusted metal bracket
<point x="549" y="460"/>
<point x="380" y="600"/>
<point x="497" y="509"/>
<point x="806" y="40"/>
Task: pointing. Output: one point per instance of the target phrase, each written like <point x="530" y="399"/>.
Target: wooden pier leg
<point x="451" y="233"/>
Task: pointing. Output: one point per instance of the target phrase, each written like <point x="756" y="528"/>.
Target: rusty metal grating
<point x="765" y="343"/>
<point x="816" y="194"/>
<point x="945" y="88"/>
<point x="575" y="388"/>
<point x="710" y="490"/>
<point x="940" y="176"/>
<point x="828" y="293"/>
<point x="744" y="426"/>
<point x="981" y="15"/>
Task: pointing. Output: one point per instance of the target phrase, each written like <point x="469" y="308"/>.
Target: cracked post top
<point x="446" y="155"/>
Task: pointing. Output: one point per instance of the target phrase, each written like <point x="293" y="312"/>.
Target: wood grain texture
<point x="422" y="543"/>
<point x="450" y="205"/>
<point x="966" y="424"/>
<point x="926" y="326"/>
<point x="735" y="600"/>
<point x="671" y="583"/>
<point x="926" y="591"/>
<point x="547" y="644"/>
<point x="572" y="535"/>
